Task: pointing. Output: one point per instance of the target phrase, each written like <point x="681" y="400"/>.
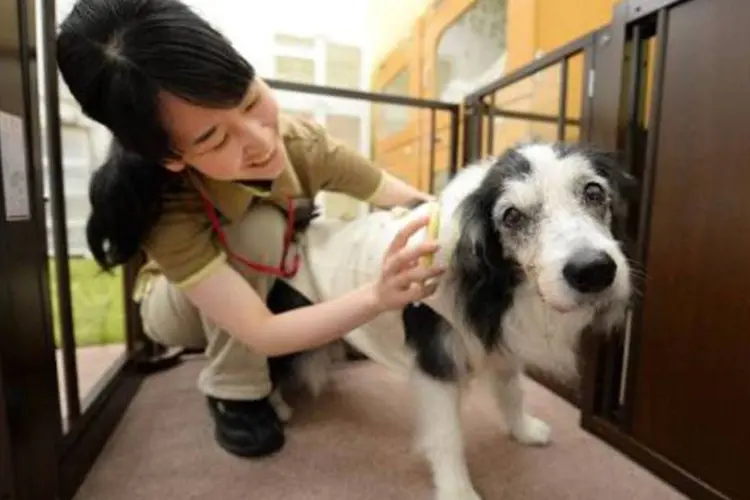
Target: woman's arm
<point x="395" y="192"/>
<point x="226" y="298"/>
<point x="337" y="167"/>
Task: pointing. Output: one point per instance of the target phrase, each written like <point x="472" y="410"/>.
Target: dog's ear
<point x="610" y="165"/>
<point x="479" y="245"/>
<point x="624" y="186"/>
<point x="481" y="269"/>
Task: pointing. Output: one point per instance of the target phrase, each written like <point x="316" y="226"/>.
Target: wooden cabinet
<point x="521" y="30"/>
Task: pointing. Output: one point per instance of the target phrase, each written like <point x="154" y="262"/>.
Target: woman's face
<point x="242" y="143"/>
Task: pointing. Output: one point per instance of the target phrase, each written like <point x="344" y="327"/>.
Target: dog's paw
<point x="284" y="412"/>
<point x="531" y="431"/>
<point x="467" y="493"/>
<point x="282" y="409"/>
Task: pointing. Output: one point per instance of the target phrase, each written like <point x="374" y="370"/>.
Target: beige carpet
<point x="354" y="444"/>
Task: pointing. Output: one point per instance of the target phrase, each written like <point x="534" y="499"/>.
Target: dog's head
<point x="543" y="214"/>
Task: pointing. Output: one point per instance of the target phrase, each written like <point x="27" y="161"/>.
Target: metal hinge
<point x="590" y="90"/>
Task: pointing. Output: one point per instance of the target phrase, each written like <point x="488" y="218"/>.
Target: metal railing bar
<point x="360" y="95"/>
<point x="555" y="57"/>
<point x="432" y="151"/>
<point x="57" y="207"/>
<point x="533" y="117"/>
<point x="563" y="104"/>
<point x="453" y="165"/>
<point x="491" y="126"/>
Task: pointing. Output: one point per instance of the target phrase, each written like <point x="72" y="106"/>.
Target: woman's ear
<point x="175" y="166"/>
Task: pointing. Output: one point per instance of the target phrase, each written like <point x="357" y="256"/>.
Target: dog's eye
<point x="594" y="193"/>
<point x="513" y="218"/>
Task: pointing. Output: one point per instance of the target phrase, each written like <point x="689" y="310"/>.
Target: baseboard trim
<point x="657" y="464"/>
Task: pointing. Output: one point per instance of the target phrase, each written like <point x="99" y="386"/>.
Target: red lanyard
<point x="280" y="271"/>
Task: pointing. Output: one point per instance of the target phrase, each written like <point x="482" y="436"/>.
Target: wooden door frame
<point x="7" y="489"/>
<point x="27" y="354"/>
<point x="31" y="430"/>
<point x="611" y="128"/>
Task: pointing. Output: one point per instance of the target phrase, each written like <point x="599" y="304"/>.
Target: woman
<point x="200" y="163"/>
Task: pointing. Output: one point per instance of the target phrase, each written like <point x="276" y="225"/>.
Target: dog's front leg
<point x="440" y="437"/>
<point x="505" y="382"/>
<point x="283" y="410"/>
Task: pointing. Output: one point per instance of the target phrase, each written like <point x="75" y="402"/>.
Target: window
<point x="294" y="41"/>
<point x="299" y="113"/>
<point x="77" y="208"/>
<point x="295" y="69"/>
<point x="440" y="181"/>
<point x="345" y="128"/>
<point x="76" y="147"/>
<point x="343" y="66"/>
<point x="472" y="51"/>
<point x="395" y="118"/>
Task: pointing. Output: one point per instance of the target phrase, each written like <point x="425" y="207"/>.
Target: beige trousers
<point x="233" y="370"/>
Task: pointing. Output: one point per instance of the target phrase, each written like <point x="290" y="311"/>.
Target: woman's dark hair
<point x="116" y="56"/>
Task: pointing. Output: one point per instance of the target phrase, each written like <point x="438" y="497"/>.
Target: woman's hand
<point x="403" y="279"/>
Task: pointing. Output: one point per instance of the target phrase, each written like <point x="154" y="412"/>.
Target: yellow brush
<point x="433" y="228"/>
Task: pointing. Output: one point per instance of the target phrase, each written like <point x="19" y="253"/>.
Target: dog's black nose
<point x="590" y="271"/>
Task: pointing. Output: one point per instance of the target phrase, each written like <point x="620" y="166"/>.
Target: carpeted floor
<point x="352" y="444"/>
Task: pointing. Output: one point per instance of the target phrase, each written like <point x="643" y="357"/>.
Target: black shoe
<point x="247" y="428"/>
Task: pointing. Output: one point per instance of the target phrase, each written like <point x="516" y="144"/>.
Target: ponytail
<point x="126" y="202"/>
<point x="117" y="58"/>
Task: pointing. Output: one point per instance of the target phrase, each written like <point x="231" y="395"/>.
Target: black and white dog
<point x="532" y="262"/>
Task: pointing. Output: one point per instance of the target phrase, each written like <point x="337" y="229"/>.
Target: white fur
<point x="542" y="327"/>
<point x="283" y="410"/>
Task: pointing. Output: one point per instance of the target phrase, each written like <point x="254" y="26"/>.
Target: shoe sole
<point x="249" y="452"/>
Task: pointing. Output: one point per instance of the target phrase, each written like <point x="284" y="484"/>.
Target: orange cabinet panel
<point x="531" y="27"/>
<point x="399" y="73"/>
<point x="403" y="163"/>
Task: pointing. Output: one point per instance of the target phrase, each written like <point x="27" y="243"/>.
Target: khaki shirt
<point x="183" y="246"/>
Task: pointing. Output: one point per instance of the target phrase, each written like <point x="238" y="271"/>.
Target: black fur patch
<point x="425" y="333"/>
<point x="624" y="186"/>
<point x="606" y="164"/>
<point x="484" y="277"/>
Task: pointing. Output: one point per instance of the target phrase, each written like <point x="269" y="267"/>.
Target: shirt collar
<point x="233" y="198"/>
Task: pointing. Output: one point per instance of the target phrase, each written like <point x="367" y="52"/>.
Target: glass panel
<point x="392" y="118"/>
<point x="295" y="69"/>
<point x="294" y="41"/>
<point x="75" y="143"/>
<point x="545" y="94"/>
<point x="440" y="180"/>
<point x="97" y="300"/>
<point x="299" y="113"/>
<point x="516" y="97"/>
<point x="576" y="79"/>
<point x="346" y="128"/>
<point x="509" y="131"/>
<point x="472" y="51"/>
<point x="343" y="66"/>
<point x="572" y="133"/>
